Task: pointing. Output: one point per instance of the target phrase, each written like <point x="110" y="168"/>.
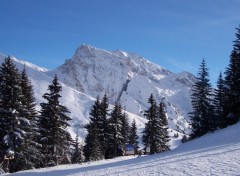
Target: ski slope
<point x="212" y="154"/>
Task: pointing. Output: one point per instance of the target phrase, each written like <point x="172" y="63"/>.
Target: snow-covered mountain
<point x="129" y="79"/>
<point x="124" y="77"/>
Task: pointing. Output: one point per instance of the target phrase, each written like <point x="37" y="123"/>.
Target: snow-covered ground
<point x="212" y="154"/>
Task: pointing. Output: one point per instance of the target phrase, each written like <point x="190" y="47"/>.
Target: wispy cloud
<point x="179" y="65"/>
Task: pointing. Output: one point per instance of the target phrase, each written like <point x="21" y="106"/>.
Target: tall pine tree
<point x="133" y="137"/>
<point x="93" y="150"/>
<point x="12" y="121"/>
<point x="30" y="155"/>
<point x="115" y="132"/>
<point x="54" y="121"/>
<point x="155" y="132"/>
<point x="149" y="131"/>
<point x="219" y="103"/>
<point x="77" y="156"/>
<point x="104" y="124"/>
<point x="202" y="116"/>
<point x="163" y="128"/>
<point x="232" y="83"/>
<point x="125" y="128"/>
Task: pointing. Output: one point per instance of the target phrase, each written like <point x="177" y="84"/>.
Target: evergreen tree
<point x="77" y="156"/>
<point x="219" y="103"/>
<point x="133" y="137"/>
<point x="232" y="83"/>
<point x="95" y="127"/>
<point x="30" y="155"/>
<point x="12" y="133"/>
<point x="236" y="44"/>
<point x="152" y="132"/>
<point x="163" y="128"/>
<point x="202" y="116"/>
<point x="115" y="132"/>
<point x="103" y="126"/>
<point x="54" y="121"/>
<point x="155" y="134"/>
<point x="125" y="128"/>
<point x="92" y="149"/>
<point x="148" y="133"/>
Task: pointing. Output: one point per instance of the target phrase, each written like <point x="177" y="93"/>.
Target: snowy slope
<point x="213" y="154"/>
<point x="129" y="79"/>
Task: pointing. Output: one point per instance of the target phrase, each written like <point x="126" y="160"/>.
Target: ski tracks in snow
<point x="222" y="160"/>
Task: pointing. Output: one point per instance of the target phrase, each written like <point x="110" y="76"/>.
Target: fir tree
<point x="163" y="128"/>
<point x="219" y="103"/>
<point x="12" y="133"/>
<point x="152" y="128"/>
<point x="150" y="114"/>
<point x="103" y="126"/>
<point x="95" y="127"/>
<point x="155" y="134"/>
<point x="92" y="149"/>
<point x="236" y="44"/>
<point x="125" y="128"/>
<point x="115" y="132"/>
<point x="30" y="155"/>
<point x="77" y="156"/>
<point x="232" y="83"/>
<point x="133" y="137"/>
<point x="54" y="121"/>
<point x="202" y="116"/>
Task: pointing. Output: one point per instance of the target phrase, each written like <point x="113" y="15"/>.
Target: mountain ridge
<point x="133" y="77"/>
<point x="127" y="78"/>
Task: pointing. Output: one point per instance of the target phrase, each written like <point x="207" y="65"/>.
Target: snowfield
<point x="213" y="154"/>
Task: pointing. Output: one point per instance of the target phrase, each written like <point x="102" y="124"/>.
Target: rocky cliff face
<point x="129" y="79"/>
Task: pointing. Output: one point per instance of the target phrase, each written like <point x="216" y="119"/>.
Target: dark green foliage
<point x="184" y="139"/>
<point x="93" y="150"/>
<point x="155" y="134"/>
<point x="203" y="115"/>
<point x="232" y="87"/>
<point x="133" y="137"/>
<point x="30" y="156"/>
<point x="12" y="133"/>
<point x="125" y="128"/>
<point x="236" y="44"/>
<point x="115" y="136"/>
<point x="20" y="126"/>
<point x="150" y="128"/>
<point x="103" y="124"/>
<point x="219" y="104"/>
<point x="55" y="138"/>
<point x="163" y="128"/>
<point x="77" y="156"/>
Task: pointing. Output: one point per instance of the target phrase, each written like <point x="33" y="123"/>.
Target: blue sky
<point x="176" y="34"/>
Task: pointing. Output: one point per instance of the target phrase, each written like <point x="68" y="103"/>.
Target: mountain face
<point x="124" y="77"/>
<point x="129" y="79"/>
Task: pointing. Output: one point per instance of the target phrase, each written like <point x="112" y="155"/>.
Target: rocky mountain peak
<point x="129" y="79"/>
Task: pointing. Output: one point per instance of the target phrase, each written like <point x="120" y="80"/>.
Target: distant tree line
<point x="217" y="108"/>
<point x="108" y="133"/>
